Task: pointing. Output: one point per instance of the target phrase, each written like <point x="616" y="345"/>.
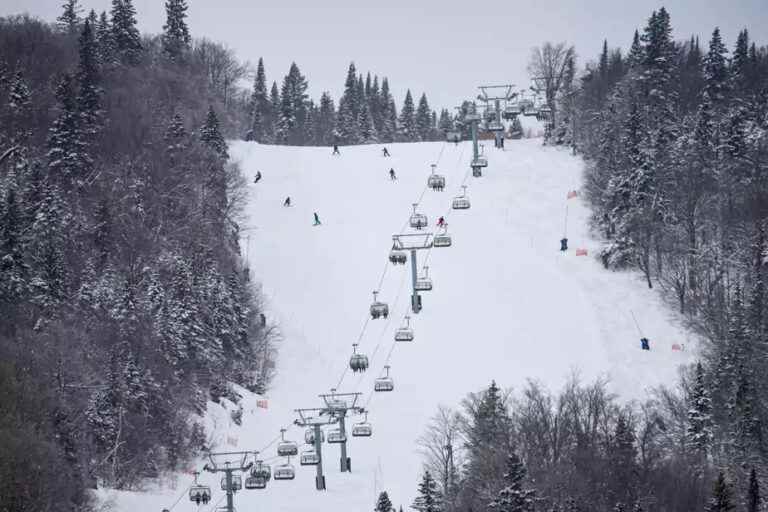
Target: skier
<point x="645" y="344"/>
<point x="336" y="150"/>
<point x="563" y="244"/>
<point x="392" y="175"/>
<point x="287" y="201"/>
<point x="257" y="178"/>
<point x="386" y="153"/>
<point x="501" y="142"/>
<point x="317" y="220"/>
<point x="441" y="222"/>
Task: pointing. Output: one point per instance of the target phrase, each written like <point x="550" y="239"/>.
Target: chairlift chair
<point x="237" y="483"/>
<point x="490" y="115"/>
<point x="362" y="429"/>
<point x="384" y="384"/>
<point x="335" y="436"/>
<point x="404" y="333"/>
<point x="417" y="220"/>
<point x="285" y="471"/>
<point x="261" y="470"/>
<point x="442" y="239"/>
<point x="435" y="181"/>
<point x="479" y="162"/>
<point x="461" y="202"/>
<point x="286" y="448"/>
<point x="495" y="126"/>
<point x="255" y="482"/>
<point x="309" y="436"/>
<point x="424" y="282"/>
<point x="380" y="309"/>
<point x="472" y="117"/>
<point x="357" y="362"/>
<point x="512" y="111"/>
<point x="397" y="257"/>
<point x="309" y="458"/>
<point x="200" y="493"/>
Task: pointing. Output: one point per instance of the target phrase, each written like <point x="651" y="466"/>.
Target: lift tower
<point x="493" y="95"/>
<point x="413" y="242"/>
<point x="229" y="463"/>
<point x="337" y="405"/>
<point x="313" y="418"/>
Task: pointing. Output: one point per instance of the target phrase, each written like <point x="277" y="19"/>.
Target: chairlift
<point x="397" y="257"/>
<point x="237" y="483"/>
<point x="255" y="482"/>
<point x="336" y="436"/>
<point x="417" y="220"/>
<point x="512" y="111"/>
<point x="286" y="448"/>
<point x="336" y="404"/>
<point x="379" y="308"/>
<point x="199" y="493"/>
<point x="309" y="436"/>
<point x="404" y="333"/>
<point x="471" y="117"/>
<point x="490" y="115"/>
<point x="358" y="362"/>
<point x="261" y="470"/>
<point x="285" y="471"/>
<point x="435" y="182"/>
<point x="309" y="458"/>
<point x="461" y="202"/>
<point x="423" y="283"/>
<point x="453" y="137"/>
<point x="384" y="384"/>
<point x="479" y="162"/>
<point x="494" y="126"/>
<point x="442" y="239"/>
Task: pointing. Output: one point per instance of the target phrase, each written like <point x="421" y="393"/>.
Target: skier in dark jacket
<point x="336" y="150"/>
<point x="257" y="178"/>
<point x="392" y="175"/>
<point x="287" y="201"/>
<point x="386" y="153"/>
<point x="441" y="222"/>
<point x="317" y="220"/>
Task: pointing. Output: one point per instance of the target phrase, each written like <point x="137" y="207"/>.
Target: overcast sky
<point x="446" y="48"/>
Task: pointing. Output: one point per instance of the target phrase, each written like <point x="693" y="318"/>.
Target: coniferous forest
<point x="675" y="139"/>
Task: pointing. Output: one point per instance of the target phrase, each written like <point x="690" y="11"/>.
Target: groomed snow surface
<point x="506" y="305"/>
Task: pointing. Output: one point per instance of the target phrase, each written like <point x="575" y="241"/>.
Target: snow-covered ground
<point x="506" y="305"/>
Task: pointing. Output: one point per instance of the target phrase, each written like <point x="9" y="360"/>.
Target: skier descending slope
<point x="385" y="152"/>
<point x="336" y="150"/>
<point x="392" y="175"/>
<point x="287" y="201"/>
<point x="317" y="220"/>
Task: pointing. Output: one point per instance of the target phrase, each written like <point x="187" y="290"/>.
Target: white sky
<point x="445" y="48"/>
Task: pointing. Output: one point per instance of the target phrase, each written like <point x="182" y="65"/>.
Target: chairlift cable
<point x="183" y="493"/>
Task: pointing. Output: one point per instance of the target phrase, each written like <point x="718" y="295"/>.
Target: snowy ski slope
<point x="506" y="305"/>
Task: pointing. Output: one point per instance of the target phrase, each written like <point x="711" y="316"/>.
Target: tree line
<point x="126" y="305"/>
<point x="366" y="113"/>
<point x="675" y="141"/>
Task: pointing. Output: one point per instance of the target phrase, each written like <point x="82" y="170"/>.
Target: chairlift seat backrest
<point x="285" y="472"/>
<point x="335" y="436"/>
<point x="418" y="220"/>
<point x="404" y="334"/>
<point x="363" y="429"/>
<point x="287" y="449"/>
<point x="197" y="492"/>
<point x="423" y="284"/>
<point x="255" y="482"/>
<point x="309" y="458"/>
<point x="443" y="240"/>
<point x="384" y="384"/>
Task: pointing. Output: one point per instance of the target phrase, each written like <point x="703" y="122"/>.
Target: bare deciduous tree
<point x="548" y="67"/>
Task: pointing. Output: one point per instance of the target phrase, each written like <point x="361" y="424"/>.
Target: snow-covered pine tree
<point x="716" y="69"/>
<point x="699" y="430"/>
<point x="14" y="271"/>
<point x="384" y="504"/>
<point x="125" y="35"/>
<point x="635" y="57"/>
<point x="49" y="235"/>
<point x="175" y="135"/>
<point x="407" y="129"/>
<point x="388" y="130"/>
<point x="347" y="124"/>
<point x="270" y="130"/>
<point x="367" y="129"/>
<point x="69" y="20"/>
<point x="259" y="105"/>
<point x="104" y="40"/>
<point x="623" y="463"/>
<point x="428" y="499"/>
<point x="445" y="123"/>
<point x="513" y="497"/>
<point x="722" y="499"/>
<point x="325" y="123"/>
<point x="423" y="119"/>
<point x="175" y="38"/>
<point x="68" y="159"/>
<point x="19" y="110"/>
<point x="293" y="108"/>
<point x="89" y="92"/>
<point x="374" y="103"/>
<point x="754" y="500"/>
<point x="211" y="136"/>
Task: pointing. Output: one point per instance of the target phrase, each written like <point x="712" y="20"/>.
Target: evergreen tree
<point x="48" y="234"/>
<point x="326" y="120"/>
<point x="270" y="134"/>
<point x="347" y="123"/>
<point x="623" y="463"/>
<point x="175" y="134"/>
<point x="423" y="119"/>
<point x="367" y="129"/>
<point x="383" y="504"/>
<point x="635" y="57"/>
<point x="67" y="156"/>
<point x="125" y="35"/>
<point x="513" y="498"/>
<point x="259" y="105"/>
<point x="293" y="108"/>
<point x="428" y="499"/>
<point x="721" y="500"/>
<point x="104" y="39"/>
<point x="716" y="68"/>
<point x="13" y="269"/>
<point x="699" y="431"/>
<point x="175" y="38"/>
<point x="211" y="136"/>
<point x="89" y="97"/>
<point x="407" y="128"/>
<point x="754" y="500"/>
<point x="69" y="20"/>
<point x="19" y="109"/>
<point x="740" y="62"/>
<point x="445" y="124"/>
<point x="388" y="129"/>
